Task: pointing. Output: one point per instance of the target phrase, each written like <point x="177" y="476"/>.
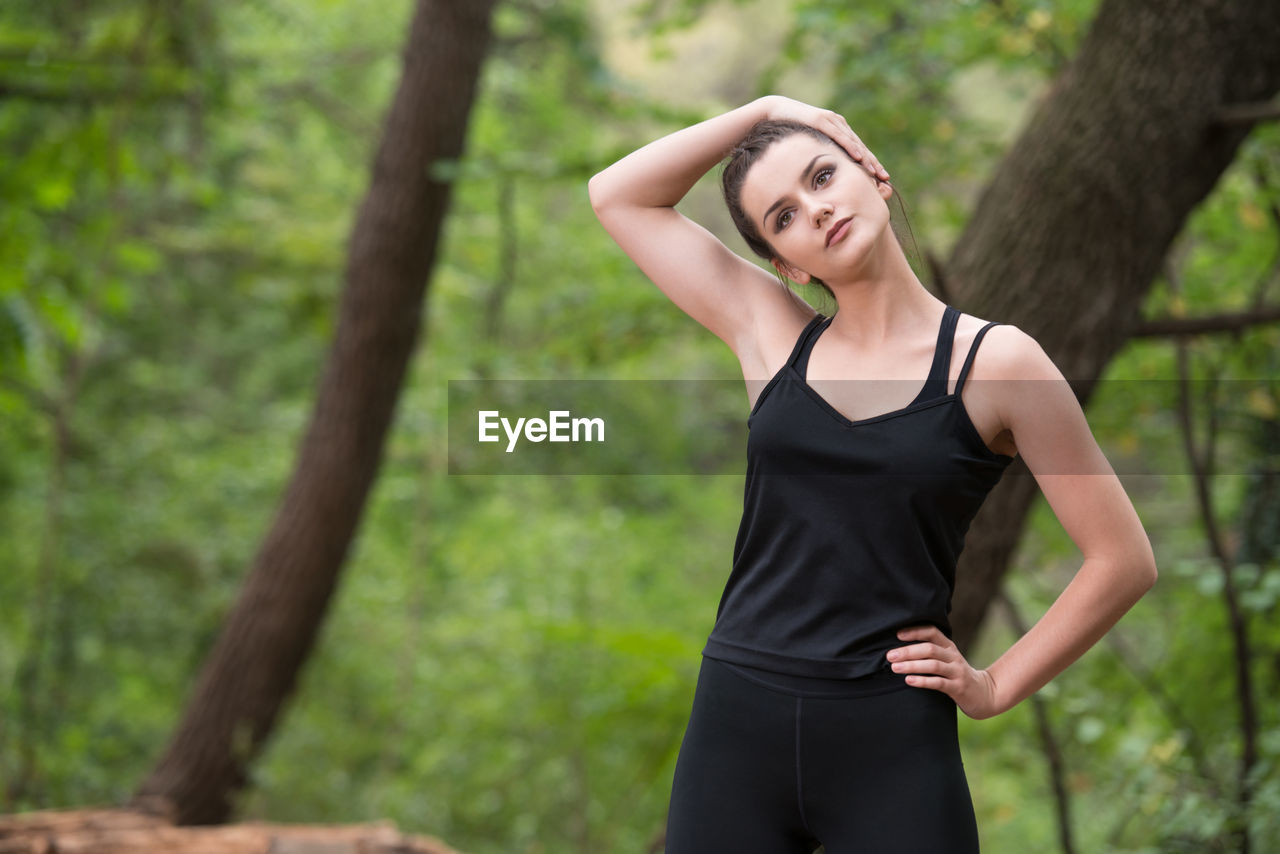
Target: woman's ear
<point x="785" y="270"/>
<point x="884" y="188"/>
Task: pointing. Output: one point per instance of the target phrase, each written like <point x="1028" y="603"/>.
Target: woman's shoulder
<point x="1005" y="352"/>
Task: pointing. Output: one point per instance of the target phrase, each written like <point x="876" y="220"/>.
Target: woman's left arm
<point x="1038" y="407"/>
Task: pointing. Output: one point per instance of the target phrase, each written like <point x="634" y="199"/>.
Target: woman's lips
<point x="838" y="230"/>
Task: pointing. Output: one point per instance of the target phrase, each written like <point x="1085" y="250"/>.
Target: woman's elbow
<point x="1149" y="576"/>
<point x="597" y="187"/>
<point x="1146" y="571"/>
<point x="1141" y="560"/>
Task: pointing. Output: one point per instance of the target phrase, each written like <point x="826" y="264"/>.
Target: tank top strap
<point x="968" y="361"/>
<point x="936" y="384"/>
<point x="804" y="345"/>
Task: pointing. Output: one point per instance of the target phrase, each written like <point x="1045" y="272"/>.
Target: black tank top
<point x="850" y="529"/>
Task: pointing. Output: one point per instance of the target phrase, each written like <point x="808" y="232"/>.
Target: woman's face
<point x="821" y="211"/>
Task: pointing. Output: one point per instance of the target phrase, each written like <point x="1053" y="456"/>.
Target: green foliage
<point x="510" y="660"/>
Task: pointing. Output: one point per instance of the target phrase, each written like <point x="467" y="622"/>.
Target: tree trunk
<point x="1069" y="236"/>
<point x="254" y="664"/>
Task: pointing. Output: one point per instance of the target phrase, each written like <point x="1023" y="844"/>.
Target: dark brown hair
<point x="742" y="157"/>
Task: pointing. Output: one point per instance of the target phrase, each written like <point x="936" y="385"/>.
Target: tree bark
<point x="1069" y="236"/>
<point x="114" y="831"/>
<point x="253" y="666"/>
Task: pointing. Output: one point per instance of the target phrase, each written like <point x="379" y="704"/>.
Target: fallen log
<point x="122" y="831"/>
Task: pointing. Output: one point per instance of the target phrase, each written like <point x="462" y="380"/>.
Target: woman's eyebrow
<point x="804" y="176"/>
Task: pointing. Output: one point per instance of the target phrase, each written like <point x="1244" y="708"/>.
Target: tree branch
<point x="87" y="94"/>
<point x="1048" y="742"/>
<point x="1248" y="114"/>
<point x="1156" y="688"/>
<point x="1202" y="468"/>
<point x="1230" y="321"/>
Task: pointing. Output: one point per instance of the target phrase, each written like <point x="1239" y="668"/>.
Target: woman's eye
<point x="783" y="219"/>
<point x="824" y="174"/>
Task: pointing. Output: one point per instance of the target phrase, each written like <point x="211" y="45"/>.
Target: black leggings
<point x="778" y="764"/>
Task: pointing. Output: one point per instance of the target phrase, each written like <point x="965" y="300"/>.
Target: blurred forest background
<point x="508" y="662"/>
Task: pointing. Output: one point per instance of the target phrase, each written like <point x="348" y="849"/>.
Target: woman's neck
<point x="883" y="300"/>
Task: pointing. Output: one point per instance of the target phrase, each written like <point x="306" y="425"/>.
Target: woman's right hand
<point x="829" y="122"/>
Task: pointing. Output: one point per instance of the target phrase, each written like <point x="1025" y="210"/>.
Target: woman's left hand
<point x="829" y="122"/>
<point x="935" y="662"/>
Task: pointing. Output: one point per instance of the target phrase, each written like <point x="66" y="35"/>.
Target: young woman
<point x="825" y="709"/>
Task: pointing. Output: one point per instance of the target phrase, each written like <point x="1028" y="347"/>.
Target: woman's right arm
<point x="635" y="200"/>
